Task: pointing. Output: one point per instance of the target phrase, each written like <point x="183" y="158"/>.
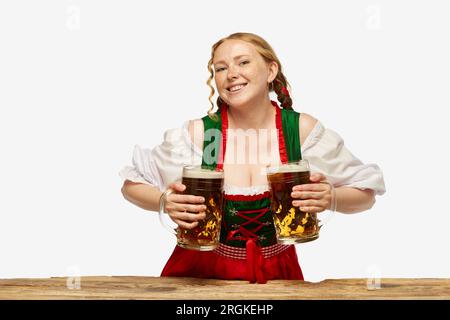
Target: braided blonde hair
<point x="266" y="51"/>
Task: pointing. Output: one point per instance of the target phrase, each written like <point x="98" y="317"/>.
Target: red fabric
<point x="255" y="261"/>
<point x="208" y="264"/>
<point x="281" y="144"/>
<point x="238" y="197"/>
<point x="285" y="91"/>
<point x="224" y="114"/>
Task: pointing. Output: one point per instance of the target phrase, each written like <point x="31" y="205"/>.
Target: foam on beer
<point x="287" y="168"/>
<point x="200" y="173"/>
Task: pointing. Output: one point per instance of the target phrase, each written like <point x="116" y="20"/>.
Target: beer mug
<point x="207" y="183"/>
<point x="291" y="224"/>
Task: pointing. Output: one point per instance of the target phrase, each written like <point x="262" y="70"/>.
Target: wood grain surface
<point x="193" y="288"/>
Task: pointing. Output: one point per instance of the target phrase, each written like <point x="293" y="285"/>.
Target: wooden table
<point x="193" y="288"/>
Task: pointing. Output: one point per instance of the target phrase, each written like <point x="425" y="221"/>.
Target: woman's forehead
<point x="231" y="49"/>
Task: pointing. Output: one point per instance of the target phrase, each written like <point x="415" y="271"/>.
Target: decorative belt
<point x="241" y="253"/>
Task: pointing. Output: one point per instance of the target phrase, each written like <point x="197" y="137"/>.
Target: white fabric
<point x="326" y="153"/>
<point x="163" y="164"/>
<point x="323" y="147"/>
<point x="245" y="191"/>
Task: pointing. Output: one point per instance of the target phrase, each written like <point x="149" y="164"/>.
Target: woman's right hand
<point x="185" y="210"/>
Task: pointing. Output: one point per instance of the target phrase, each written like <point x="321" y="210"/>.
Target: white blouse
<point x="323" y="148"/>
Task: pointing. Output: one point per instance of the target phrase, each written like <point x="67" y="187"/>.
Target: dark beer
<point x="208" y="184"/>
<point x="292" y="225"/>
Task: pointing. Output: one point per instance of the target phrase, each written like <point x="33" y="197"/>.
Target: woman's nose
<point x="233" y="72"/>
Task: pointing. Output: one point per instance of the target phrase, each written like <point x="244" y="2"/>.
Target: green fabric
<point x="290" y="122"/>
<point x="266" y="235"/>
<point x="212" y="141"/>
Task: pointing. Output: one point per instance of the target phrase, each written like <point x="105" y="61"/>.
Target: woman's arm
<point x="154" y="166"/>
<point x="142" y="195"/>
<point x="147" y="197"/>
<point x="349" y="199"/>
<point x="353" y="200"/>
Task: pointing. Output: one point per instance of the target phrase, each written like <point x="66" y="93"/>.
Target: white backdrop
<point x="82" y="82"/>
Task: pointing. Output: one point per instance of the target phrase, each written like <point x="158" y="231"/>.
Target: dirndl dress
<point x="248" y="248"/>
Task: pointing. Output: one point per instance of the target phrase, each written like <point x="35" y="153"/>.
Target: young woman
<point x="245" y="70"/>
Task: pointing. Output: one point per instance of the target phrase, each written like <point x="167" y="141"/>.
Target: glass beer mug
<point x="291" y="224"/>
<point x="208" y="184"/>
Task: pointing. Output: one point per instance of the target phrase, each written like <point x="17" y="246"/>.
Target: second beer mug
<point x="291" y="224"/>
<point x="206" y="183"/>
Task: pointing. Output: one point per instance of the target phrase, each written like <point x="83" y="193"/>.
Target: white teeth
<point x="236" y="88"/>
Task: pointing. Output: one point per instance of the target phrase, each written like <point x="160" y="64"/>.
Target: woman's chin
<point x="237" y="101"/>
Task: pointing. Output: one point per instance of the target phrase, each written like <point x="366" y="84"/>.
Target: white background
<point x="82" y="82"/>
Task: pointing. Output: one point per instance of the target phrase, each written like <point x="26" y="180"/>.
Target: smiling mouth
<point x="236" y="88"/>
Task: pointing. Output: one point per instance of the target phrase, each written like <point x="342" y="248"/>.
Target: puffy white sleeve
<point x="326" y="153"/>
<point x="164" y="163"/>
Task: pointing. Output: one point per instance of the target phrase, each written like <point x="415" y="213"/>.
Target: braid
<point x="277" y="85"/>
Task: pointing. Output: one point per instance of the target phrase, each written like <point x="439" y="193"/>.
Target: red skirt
<point x="209" y="264"/>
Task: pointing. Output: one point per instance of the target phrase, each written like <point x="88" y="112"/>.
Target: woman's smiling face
<point x="240" y="72"/>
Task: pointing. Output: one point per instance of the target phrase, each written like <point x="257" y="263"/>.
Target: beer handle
<point x="333" y="197"/>
<point x="162" y="202"/>
<point x="333" y="204"/>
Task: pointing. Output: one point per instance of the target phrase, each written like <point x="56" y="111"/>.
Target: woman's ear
<point x="273" y="71"/>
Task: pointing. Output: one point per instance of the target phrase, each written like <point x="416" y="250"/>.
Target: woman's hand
<point x="185" y="210"/>
<point x="314" y="197"/>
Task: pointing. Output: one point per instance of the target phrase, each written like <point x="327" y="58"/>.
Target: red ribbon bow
<point x="285" y="91"/>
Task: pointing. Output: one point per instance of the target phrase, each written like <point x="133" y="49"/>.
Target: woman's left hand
<point x="313" y="197"/>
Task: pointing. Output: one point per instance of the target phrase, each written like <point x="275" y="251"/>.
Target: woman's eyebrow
<point x="235" y="58"/>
